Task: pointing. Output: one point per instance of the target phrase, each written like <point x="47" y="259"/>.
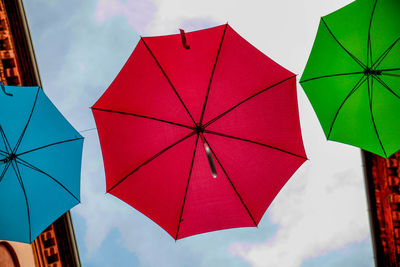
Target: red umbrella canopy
<point x="188" y="107"/>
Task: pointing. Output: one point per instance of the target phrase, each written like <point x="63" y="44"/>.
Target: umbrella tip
<point x="183" y="38"/>
<point x="4" y="89"/>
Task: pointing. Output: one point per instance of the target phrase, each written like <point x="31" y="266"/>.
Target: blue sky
<point x="320" y="216"/>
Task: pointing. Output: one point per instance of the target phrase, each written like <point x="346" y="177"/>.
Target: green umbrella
<point x="352" y="77"/>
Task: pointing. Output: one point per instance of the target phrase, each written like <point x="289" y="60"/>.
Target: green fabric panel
<point x="386" y="110"/>
<point x="392" y="58"/>
<point x="328" y="57"/>
<point x="327" y="94"/>
<point x="393" y="82"/>
<point x="350" y="25"/>
<point x="385" y="28"/>
<point x="354" y="123"/>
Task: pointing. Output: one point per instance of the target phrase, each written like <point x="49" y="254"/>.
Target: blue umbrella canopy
<point x="40" y="163"/>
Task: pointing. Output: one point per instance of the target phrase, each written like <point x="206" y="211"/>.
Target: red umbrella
<point x="186" y="108"/>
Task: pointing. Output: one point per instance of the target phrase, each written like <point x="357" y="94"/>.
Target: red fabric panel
<point x="270" y="118"/>
<point x="141" y="88"/>
<point x="157" y="189"/>
<point x="128" y="141"/>
<point x="211" y="203"/>
<point x="241" y="71"/>
<point x="188" y="69"/>
<point x="257" y="172"/>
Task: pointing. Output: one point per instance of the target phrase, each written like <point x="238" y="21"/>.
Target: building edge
<point x="382" y="177"/>
<point x="58" y="241"/>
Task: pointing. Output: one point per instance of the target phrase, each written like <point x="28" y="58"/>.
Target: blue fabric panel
<point x="47" y="199"/>
<point x="61" y="161"/>
<point x="47" y="126"/>
<point x="15" y="111"/>
<point x="14" y="224"/>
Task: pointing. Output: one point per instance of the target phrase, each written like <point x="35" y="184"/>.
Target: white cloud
<point x="99" y="211"/>
<point x="284" y="30"/>
<point x="320" y="220"/>
<point x="138" y="13"/>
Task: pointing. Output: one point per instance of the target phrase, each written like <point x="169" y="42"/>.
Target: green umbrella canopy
<point x="352" y="77"/>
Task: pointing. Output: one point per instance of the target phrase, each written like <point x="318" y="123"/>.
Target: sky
<point x="320" y="216"/>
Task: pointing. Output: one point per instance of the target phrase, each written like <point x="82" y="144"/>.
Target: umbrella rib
<point x="350" y="54"/>
<point x="29" y="165"/>
<point x="386" y="86"/>
<point x="369" y="50"/>
<point x="391" y="74"/>
<point x="372" y="115"/>
<point x="149" y="160"/>
<point x="187" y="187"/>
<point x="390" y="69"/>
<point x="384" y="54"/>
<point x="27" y="123"/>
<point x="358" y="84"/>
<point x="53" y="144"/>
<point x="19" y="177"/>
<point x="4" y="170"/>
<point x="142" y="116"/>
<point x="212" y="75"/>
<point x="243" y="101"/>
<point x="230" y="181"/>
<point x="169" y="81"/>
<point x="331" y="75"/>
<point x="5" y="140"/>
<point x="3" y="152"/>
<point x="254" y="142"/>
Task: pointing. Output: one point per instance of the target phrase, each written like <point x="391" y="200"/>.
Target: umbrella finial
<point x="4" y="89"/>
<point x="184" y="41"/>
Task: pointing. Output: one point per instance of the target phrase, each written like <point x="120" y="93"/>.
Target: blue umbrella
<point x="40" y="163"/>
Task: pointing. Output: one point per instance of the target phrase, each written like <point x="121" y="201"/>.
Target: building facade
<point x="383" y="191"/>
<point x="56" y="246"/>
